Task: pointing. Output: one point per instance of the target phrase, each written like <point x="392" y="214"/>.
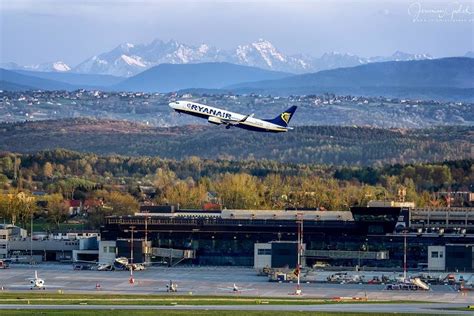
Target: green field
<point x="39" y="298"/>
<point x="171" y="300"/>
<point x="42" y="226"/>
<point x="175" y="313"/>
<point x="113" y="302"/>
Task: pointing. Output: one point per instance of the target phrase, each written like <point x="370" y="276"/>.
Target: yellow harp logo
<point x="285" y="117"/>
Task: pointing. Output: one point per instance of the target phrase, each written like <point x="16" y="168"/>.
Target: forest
<point x="42" y="183"/>
<point x="332" y="145"/>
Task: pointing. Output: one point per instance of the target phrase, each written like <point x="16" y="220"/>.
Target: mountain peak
<point x="334" y="53"/>
<point x="56" y="66"/>
<point x="399" y="55"/>
<point x="124" y="47"/>
<point x="133" y="61"/>
<point x="174" y="43"/>
<point x="261" y="53"/>
<point x="263" y="42"/>
<point x="203" y="48"/>
<point x="61" y="66"/>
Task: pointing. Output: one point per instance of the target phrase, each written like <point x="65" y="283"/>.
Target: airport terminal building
<point x="365" y="236"/>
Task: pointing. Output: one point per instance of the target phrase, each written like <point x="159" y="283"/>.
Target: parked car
<point x="105" y="267"/>
<point x="80" y="266"/>
<point x="4" y="264"/>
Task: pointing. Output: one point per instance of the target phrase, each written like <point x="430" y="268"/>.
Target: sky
<point x="37" y="31"/>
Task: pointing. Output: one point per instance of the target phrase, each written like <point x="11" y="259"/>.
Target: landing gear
<point x="227" y="127"/>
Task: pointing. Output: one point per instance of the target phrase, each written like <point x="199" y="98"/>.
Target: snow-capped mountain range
<point x="57" y="66"/>
<point x="128" y="59"/>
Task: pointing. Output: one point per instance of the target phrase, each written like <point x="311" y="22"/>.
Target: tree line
<point x="122" y="182"/>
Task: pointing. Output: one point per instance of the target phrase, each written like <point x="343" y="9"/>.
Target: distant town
<point x="152" y="108"/>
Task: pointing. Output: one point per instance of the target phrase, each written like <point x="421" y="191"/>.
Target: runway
<point x="425" y="308"/>
<point x="208" y="281"/>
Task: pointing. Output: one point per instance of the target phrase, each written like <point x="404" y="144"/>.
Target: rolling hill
<point x="336" y="145"/>
<point x="446" y="76"/>
<point x="10" y="86"/>
<point x="173" y="77"/>
<point x="76" y="79"/>
<point x="10" y="80"/>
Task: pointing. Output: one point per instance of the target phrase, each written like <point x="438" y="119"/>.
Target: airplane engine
<point x="215" y="120"/>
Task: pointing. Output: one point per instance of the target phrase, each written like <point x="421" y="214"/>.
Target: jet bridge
<point x="345" y="254"/>
<point x="174" y="256"/>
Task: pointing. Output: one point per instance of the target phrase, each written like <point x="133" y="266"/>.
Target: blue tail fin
<point x="284" y="118"/>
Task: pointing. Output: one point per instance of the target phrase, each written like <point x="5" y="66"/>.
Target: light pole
<point x="131" y="244"/>
<point x="300" y="251"/>
<point x="404" y="255"/>
<point x="132" y="280"/>
<point x="146" y="239"/>
<point x="31" y="240"/>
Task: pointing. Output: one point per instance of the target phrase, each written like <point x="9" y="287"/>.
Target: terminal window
<point x="264" y="252"/>
<point x="435" y="254"/>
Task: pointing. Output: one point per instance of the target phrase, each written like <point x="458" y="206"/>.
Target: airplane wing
<point x="231" y="289"/>
<point x="19" y="286"/>
<point x="245" y="290"/>
<point x="236" y="122"/>
<point x="28" y="286"/>
<point x="246" y="117"/>
<point x="13" y="259"/>
<point x="225" y="288"/>
<point x="157" y="263"/>
<point x="179" y="289"/>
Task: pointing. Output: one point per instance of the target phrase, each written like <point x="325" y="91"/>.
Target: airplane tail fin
<point x="36" y="274"/>
<point x="284" y="118"/>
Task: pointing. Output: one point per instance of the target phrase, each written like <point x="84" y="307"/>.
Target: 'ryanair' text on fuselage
<point x="206" y="110"/>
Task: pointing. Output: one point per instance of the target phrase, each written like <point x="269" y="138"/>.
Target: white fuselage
<point x="37" y="283"/>
<point x="220" y="116"/>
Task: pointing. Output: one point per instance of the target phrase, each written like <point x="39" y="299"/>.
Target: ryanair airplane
<point x="219" y="116"/>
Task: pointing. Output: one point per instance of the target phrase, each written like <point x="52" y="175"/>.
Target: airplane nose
<point x="174" y="105"/>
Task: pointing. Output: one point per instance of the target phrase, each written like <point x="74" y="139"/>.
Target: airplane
<point x="235" y="289"/>
<point x="410" y="284"/>
<point x="172" y="287"/>
<point x="37" y="282"/>
<point x="249" y="122"/>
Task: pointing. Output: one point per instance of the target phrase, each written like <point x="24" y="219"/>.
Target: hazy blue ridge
<point x="11" y="79"/>
<point x="173" y="77"/>
<point x="75" y="78"/>
<point x="445" y="78"/>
